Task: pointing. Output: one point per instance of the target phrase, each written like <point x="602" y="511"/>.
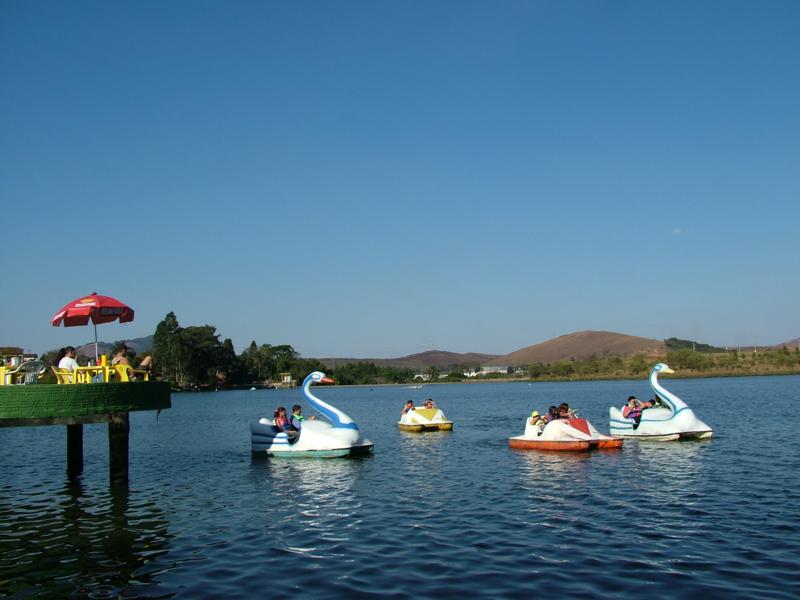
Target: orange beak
<point x="326" y="380"/>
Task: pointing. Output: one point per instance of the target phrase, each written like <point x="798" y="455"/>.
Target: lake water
<point x="427" y="514"/>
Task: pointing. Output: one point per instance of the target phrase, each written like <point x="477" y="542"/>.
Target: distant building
<point x="495" y="369"/>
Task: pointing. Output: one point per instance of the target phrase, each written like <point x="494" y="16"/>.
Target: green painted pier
<point x="75" y="405"/>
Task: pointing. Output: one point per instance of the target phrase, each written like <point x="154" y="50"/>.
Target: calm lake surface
<point x="427" y="515"/>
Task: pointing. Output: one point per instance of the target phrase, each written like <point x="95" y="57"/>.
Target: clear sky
<point x="378" y="178"/>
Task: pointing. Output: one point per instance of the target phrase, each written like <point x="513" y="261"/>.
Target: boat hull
<point x="519" y="443"/>
<point x="427" y="427"/>
<point x="359" y="450"/>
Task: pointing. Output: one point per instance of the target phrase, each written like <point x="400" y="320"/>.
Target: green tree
<point x="225" y="358"/>
<point x="166" y="346"/>
<point x="536" y="370"/>
<point x="199" y="349"/>
<point x="637" y="364"/>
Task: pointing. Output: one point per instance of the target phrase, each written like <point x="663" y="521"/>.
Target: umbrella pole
<point x="95" y="342"/>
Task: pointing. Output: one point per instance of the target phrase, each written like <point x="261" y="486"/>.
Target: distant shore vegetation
<point x="686" y="362"/>
<point x="193" y="357"/>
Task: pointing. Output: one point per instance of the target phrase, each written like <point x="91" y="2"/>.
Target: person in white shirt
<point x="68" y="361"/>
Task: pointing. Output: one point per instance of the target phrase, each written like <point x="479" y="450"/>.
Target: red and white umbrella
<point x="94" y="308"/>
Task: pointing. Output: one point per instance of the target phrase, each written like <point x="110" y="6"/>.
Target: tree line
<point x="195" y="356"/>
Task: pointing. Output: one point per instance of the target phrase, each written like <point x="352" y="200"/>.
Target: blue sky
<point x="379" y="178"/>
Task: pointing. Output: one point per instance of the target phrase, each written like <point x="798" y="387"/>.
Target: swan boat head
<point x="338" y="418"/>
<point x="317" y="377"/>
<point x="661" y="368"/>
<point x="672" y="400"/>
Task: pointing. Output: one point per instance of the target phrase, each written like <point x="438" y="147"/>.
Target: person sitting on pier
<point x="67" y="362"/>
<point x="409" y="406"/>
<point x="147" y="363"/>
<point x="120" y="355"/>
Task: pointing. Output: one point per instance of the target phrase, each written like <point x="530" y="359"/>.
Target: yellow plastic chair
<point x="62" y="375"/>
<point x="128" y="373"/>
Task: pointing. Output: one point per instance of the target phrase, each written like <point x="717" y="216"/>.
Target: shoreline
<point x="676" y="375"/>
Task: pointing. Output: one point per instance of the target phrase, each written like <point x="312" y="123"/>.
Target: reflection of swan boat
<point x="424" y="419"/>
<point x="573" y="434"/>
<point x="317" y="438"/>
<point x="662" y="423"/>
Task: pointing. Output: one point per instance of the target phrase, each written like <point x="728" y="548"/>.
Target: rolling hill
<point x="790" y="344"/>
<point x="422" y="360"/>
<point x="581" y="345"/>
<point x="138" y="345"/>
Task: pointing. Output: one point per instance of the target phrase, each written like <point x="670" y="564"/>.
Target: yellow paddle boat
<point x="424" y="419"/>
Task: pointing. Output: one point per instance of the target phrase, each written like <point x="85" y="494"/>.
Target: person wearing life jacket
<point x="297" y="417"/>
<point x="633" y="411"/>
<point x="537" y="421"/>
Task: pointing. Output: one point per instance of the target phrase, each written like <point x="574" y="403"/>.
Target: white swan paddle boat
<point x="566" y="435"/>
<point x="317" y="438"/>
<point x="672" y="420"/>
<point x="424" y="419"/>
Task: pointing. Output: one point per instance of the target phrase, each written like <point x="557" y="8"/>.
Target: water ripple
<point x="442" y="513"/>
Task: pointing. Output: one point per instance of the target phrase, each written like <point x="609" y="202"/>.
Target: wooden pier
<point x="79" y="404"/>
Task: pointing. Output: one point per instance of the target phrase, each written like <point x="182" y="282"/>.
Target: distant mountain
<point x="423" y="360"/>
<point x="137" y="345"/>
<point x="581" y="345"/>
<point x="790" y="344"/>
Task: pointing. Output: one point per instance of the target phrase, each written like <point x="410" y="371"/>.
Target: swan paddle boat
<point x="571" y="435"/>
<point x="670" y="420"/>
<point x="424" y="419"/>
<point x="316" y="438"/>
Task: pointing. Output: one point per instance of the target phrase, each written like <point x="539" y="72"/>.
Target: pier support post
<point x="74" y="450"/>
<point x="118" y="428"/>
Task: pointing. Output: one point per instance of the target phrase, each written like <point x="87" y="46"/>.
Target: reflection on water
<point x="311" y="502"/>
<point x="96" y="546"/>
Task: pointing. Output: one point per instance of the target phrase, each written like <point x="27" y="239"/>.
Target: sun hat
<point x="535" y="414"/>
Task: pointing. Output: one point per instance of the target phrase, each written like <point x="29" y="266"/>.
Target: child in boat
<point x="552" y="414"/>
<point x="537" y="421"/>
<point x="297" y="417"/>
<point x="429" y="403"/>
<point x="282" y="421"/>
<point x="409" y="406"/>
